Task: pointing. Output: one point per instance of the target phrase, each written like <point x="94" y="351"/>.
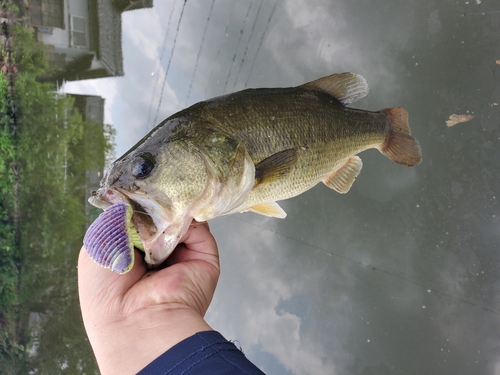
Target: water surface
<point x="399" y="276"/>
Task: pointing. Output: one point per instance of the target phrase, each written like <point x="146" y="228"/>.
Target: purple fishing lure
<point x="108" y="242"/>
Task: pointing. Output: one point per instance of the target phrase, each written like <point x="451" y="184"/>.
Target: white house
<point x="83" y="36"/>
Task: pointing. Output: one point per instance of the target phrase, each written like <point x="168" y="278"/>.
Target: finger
<point x="194" y="222"/>
<point x="199" y="238"/>
<point x="96" y="282"/>
<point x="193" y="266"/>
<point x="197" y="244"/>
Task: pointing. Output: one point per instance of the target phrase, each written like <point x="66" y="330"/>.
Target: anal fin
<point x="271" y="209"/>
<point x="342" y="179"/>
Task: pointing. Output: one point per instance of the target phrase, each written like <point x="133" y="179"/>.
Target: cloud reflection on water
<point x="398" y="276"/>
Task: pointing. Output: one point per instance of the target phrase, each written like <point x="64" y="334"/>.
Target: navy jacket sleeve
<point x="205" y="353"/>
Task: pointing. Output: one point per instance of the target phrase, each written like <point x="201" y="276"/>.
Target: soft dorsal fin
<point x="275" y="166"/>
<point x="271" y="209"/>
<point x="345" y="87"/>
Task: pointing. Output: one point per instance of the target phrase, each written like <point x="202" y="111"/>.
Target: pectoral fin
<point x="342" y="179"/>
<point x="275" y="166"/>
<point x="271" y="209"/>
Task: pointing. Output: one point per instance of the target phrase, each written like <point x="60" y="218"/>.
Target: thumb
<point x="97" y="284"/>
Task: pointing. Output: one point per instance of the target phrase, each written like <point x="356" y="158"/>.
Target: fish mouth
<point x="158" y="227"/>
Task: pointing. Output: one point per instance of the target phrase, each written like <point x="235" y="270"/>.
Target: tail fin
<point x="399" y="145"/>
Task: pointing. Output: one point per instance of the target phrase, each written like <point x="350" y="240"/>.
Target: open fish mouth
<point x="151" y="220"/>
<point x="147" y="217"/>
<point x="157" y="227"/>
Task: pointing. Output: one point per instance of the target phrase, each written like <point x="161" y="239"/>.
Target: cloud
<point x="130" y="99"/>
<point x="263" y="44"/>
<point x="341" y="270"/>
<point x="255" y="296"/>
<point x="235" y="48"/>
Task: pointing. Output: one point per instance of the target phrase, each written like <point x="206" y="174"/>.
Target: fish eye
<point x="143" y="166"/>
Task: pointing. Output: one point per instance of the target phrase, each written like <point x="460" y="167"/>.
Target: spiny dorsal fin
<point x="345" y="87"/>
<point x="271" y="209"/>
<point x="342" y="179"/>
<point x="275" y="166"/>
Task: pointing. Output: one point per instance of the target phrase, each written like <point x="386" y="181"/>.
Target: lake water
<point x="399" y="276"/>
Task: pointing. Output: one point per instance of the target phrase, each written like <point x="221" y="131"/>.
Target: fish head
<point x="168" y="183"/>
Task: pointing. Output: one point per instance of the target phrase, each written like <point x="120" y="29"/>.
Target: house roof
<point x="106" y="37"/>
<point x="109" y="41"/>
<point x="124" y="5"/>
<point x="91" y="107"/>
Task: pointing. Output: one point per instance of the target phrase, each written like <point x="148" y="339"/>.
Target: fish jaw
<point x="158" y="231"/>
<point x="158" y="251"/>
<point x="160" y="227"/>
<point x="104" y="197"/>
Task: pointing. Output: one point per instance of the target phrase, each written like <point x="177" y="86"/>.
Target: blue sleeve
<point x="205" y="353"/>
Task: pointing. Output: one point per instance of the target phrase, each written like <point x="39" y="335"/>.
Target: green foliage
<point x="7" y="156"/>
<point x="4" y="83"/>
<point x="54" y="147"/>
<point x="53" y="154"/>
<point x="29" y="55"/>
<point x="9" y="6"/>
<point x="9" y="347"/>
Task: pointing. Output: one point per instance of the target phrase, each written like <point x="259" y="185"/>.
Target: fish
<point x="246" y="151"/>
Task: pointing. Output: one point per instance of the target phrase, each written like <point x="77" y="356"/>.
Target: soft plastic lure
<point x="111" y="238"/>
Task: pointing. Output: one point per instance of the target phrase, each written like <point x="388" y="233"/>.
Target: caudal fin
<point x="399" y="145"/>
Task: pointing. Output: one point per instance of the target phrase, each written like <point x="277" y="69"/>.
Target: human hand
<point x="132" y="319"/>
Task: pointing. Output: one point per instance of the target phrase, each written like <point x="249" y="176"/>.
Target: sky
<point x="397" y="274"/>
<point x="220" y="47"/>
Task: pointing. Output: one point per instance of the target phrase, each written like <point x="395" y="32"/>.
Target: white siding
<point x="61" y="39"/>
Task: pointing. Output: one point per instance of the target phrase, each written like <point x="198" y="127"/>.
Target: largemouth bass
<point x="245" y="151"/>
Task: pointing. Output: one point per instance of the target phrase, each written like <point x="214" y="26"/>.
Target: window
<point x="78" y="38"/>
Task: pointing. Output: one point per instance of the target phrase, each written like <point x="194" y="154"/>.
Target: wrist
<point x="127" y="345"/>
